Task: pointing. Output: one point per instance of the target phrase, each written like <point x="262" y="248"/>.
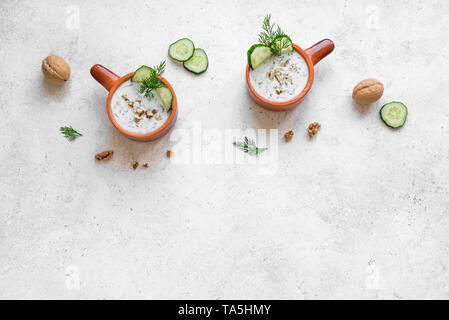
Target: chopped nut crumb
<point x="154" y="111"/>
<point x="289" y="135"/>
<point x="131" y="104"/>
<point x="146" y="165"/>
<point x="104" y="156"/>
<point x="140" y="111"/>
<point x="313" y="129"/>
<point x="276" y="75"/>
<point x="158" y="117"/>
<point x="135" y="165"/>
<point x="149" y="114"/>
<point x="139" y="101"/>
<point x="169" y="153"/>
<point x="125" y="98"/>
<point x="278" y="91"/>
<point x="137" y="119"/>
<point x="270" y="75"/>
<point x="284" y="64"/>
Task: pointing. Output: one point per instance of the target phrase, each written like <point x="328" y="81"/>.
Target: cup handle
<point x="320" y="50"/>
<point x="104" y="76"/>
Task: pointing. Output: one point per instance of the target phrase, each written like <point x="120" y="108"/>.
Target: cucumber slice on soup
<point x="142" y="73"/>
<point x="282" y="43"/>
<point x="181" y="50"/>
<point x="257" y="54"/>
<point x="166" y="97"/>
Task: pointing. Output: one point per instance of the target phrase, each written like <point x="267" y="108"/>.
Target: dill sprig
<point x="249" y="146"/>
<point x="70" y="133"/>
<point x="153" y="81"/>
<point x="270" y="33"/>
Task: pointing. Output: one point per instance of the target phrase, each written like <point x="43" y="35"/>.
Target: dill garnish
<point x="152" y="81"/>
<point x="249" y="146"/>
<point x="70" y="133"/>
<point x="274" y="37"/>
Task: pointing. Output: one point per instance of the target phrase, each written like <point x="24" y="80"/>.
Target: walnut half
<point x="104" y="156"/>
<point x="313" y="129"/>
<point x="288" y="135"/>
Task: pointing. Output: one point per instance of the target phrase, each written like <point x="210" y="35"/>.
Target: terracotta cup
<point x="312" y="56"/>
<point x="111" y="82"/>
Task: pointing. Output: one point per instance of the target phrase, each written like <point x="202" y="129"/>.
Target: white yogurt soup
<point x="280" y="78"/>
<point x="136" y="113"/>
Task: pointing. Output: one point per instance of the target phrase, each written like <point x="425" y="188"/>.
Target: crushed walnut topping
<point x="284" y="64"/>
<point x="277" y="76"/>
<point x="140" y="111"/>
<point x="154" y="111"/>
<point x="148" y="114"/>
<point x="158" y="118"/>
<point x="288" y="135"/>
<point x="169" y="153"/>
<point x="313" y="129"/>
<point x="104" y="156"/>
<point x="146" y="165"/>
<point x="135" y="165"/>
<point x="125" y="98"/>
<point x="278" y="91"/>
<point x="137" y="119"/>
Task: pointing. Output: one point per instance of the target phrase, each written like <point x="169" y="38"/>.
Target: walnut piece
<point x="135" y="165"/>
<point x="146" y="165"/>
<point x="104" y="156"/>
<point x="169" y="153"/>
<point x="288" y="135"/>
<point x="140" y="111"/>
<point x="313" y="129"/>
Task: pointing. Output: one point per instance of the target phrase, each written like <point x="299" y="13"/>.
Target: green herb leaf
<point x="249" y="146"/>
<point x="269" y="33"/>
<point x="153" y="81"/>
<point x="70" y="133"/>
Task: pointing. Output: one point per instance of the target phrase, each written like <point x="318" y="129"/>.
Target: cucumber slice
<point x="282" y="43"/>
<point x="394" y="114"/>
<point x="181" y="50"/>
<point x="142" y="73"/>
<point x="198" y="63"/>
<point x="166" y="97"/>
<point x="257" y="54"/>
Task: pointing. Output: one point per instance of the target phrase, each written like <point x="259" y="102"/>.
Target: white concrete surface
<point x="361" y="211"/>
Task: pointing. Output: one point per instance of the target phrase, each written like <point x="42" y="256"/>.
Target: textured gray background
<point x="359" y="212"/>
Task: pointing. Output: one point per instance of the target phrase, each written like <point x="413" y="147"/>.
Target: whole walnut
<point x="56" y="69"/>
<point x="368" y="91"/>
